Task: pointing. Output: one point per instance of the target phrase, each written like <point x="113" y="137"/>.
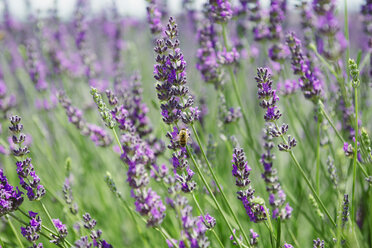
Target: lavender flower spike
<point x="220" y="10"/>
<point x="241" y="170"/>
<point x="32" y="230"/>
<point x="25" y="170"/>
<point x="268" y="99"/>
<point x="170" y="73"/>
<point x="104" y="111"/>
<point x="310" y="85"/>
<point x="62" y="232"/>
<point x="267" y="95"/>
<point x="10" y="198"/>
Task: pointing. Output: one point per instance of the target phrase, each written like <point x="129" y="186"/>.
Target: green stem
<point x="355" y="159"/>
<point x="270" y="226"/>
<point x="364" y="61"/>
<point x="165" y="235"/>
<point x="14" y="231"/>
<point x="318" y="156"/>
<point x="51" y="221"/>
<point x="324" y="61"/>
<point x="218" y="239"/>
<point x="278" y="232"/>
<point x="130" y="212"/>
<point x="212" y="194"/>
<point x="303" y="174"/>
<point x="293" y="238"/>
<point x="117" y="140"/>
<point x="339" y="135"/>
<point x="43" y="227"/>
<point x="218" y="184"/>
<point x="201" y="212"/>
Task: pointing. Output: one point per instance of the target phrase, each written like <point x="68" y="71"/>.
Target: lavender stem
<point x="117" y="140"/>
<point x="51" y="221"/>
<point x="14" y="231"/>
<point x="210" y="190"/>
<point x="201" y="212"/>
<point x="43" y="234"/>
<point x="303" y="174"/>
<point x="219" y="185"/>
<point x="318" y="155"/>
<point x="339" y="135"/>
<point x="355" y="83"/>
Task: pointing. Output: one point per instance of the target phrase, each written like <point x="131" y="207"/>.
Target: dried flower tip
<point x="354" y="73"/>
<point x="104" y="111"/>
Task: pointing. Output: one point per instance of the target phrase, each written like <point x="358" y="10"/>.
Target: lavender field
<point x="235" y="124"/>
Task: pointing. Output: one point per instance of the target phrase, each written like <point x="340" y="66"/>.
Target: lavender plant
<point x="153" y="165"/>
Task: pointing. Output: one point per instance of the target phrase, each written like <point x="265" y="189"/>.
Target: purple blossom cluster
<point x="139" y="156"/>
<point x="62" y="232"/>
<point x="10" y="197"/>
<point x="97" y="134"/>
<point x="277" y="196"/>
<point x="277" y="52"/>
<point x="220" y="10"/>
<point x="328" y="30"/>
<point x="241" y="172"/>
<point x="32" y="230"/>
<point x="28" y="178"/>
<point x="268" y="100"/>
<point x="170" y="73"/>
<point x="193" y="228"/>
<point x="267" y="95"/>
<point x="154" y="17"/>
<point x="366" y="11"/>
<point x="183" y="172"/>
<point x="207" y="63"/>
<point x="36" y="68"/>
<point x="228" y="115"/>
<point x="94" y="234"/>
<point x="131" y="97"/>
<point x="7" y="101"/>
<point x="310" y="84"/>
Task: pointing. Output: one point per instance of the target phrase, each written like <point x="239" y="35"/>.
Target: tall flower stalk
<point x="171" y="77"/>
<point x="268" y="102"/>
<point x="354" y="74"/>
<point x="221" y="12"/>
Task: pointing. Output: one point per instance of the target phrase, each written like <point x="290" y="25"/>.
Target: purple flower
<point x="10" y="197"/>
<point x="31" y="231"/>
<point x="254" y="237"/>
<point x="62" y="232"/>
<point x="276" y="14"/>
<point x="154" y="18"/>
<point x="99" y="136"/>
<point x="267" y="95"/>
<point x="220" y="10"/>
<point x="310" y="84"/>
<point x="209" y="221"/>
<point x="317" y="243"/>
<point x="25" y="170"/>
<point x="95" y="235"/>
<point x="228" y="58"/>
<point x="328" y="30"/>
<point x="36" y="68"/>
<point x="207" y="63"/>
<point x="277" y="197"/>
<point x="241" y="171"/>
<point x="348" y="149"/>
<point x="287" y="245"/>
<point x="345" y="210"/>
